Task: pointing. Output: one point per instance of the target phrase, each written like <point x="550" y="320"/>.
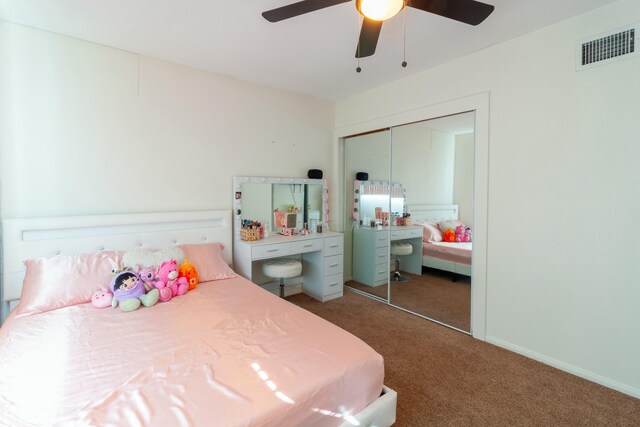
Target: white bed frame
<point x="44" y="237"/>
<point x="435" y="213"/>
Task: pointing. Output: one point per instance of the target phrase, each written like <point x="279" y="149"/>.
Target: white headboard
<point x="433" y="213"/>
<point x="44" y="237"/>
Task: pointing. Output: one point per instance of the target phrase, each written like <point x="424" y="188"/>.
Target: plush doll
<point x="148" y="277"/>
<point x="102" y="299"/>
<point x="128" y="292"/>
<point x="449" y="235"/>
<point x="188" y="271"/>
<point x="467" y="235"/>
<point x="460" y="233"/>
<point x="168" y="279"/>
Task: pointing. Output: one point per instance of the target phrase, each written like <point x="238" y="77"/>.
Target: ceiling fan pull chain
<point x="358" y="69"/>
<point x="404" y="40"/>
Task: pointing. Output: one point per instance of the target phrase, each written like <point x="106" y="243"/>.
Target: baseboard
<point x="563" y="366"/>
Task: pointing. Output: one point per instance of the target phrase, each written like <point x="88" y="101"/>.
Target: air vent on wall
<point x="609" y="47"/>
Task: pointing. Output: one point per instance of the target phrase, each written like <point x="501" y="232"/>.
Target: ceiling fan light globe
<point x="379" y="10"/>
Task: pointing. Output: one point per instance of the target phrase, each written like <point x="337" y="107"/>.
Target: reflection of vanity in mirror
<point x="301" y="205"/>
<point x="372" y="244"/>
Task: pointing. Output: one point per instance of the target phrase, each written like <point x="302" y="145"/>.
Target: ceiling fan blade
<point x="368" y="40"/>
<point x="468" y="11"/>
<point x="299" y="8"/>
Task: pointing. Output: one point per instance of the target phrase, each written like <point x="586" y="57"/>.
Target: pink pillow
<point x="60" y="281"/>
<point x="450" y="223"/>
<point x="208" y="261"/>
<point x="431" y="233"/>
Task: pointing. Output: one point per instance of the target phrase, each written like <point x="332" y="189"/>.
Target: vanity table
<point x="371" y="258"/>
<point x="256" y="198"/>
<point x="322" y="260"/>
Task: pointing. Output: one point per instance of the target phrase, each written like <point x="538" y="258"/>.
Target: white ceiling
<point x="311" y="54"/>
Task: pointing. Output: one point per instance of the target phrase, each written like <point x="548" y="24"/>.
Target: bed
<point x="227" y="353"/>
<point x="452" y="257"/>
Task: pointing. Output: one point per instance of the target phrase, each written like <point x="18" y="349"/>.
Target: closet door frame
<point x="479" y="104"/>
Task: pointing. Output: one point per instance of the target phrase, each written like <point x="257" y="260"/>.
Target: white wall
<point x="422" y="160"/>
<point x="86" y="129"/>
<point x="463" y="178"/>
<point x="563" y="191"/>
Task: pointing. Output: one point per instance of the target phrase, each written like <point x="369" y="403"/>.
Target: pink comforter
<point x="449" y="251"/>
<point x="226" y="354"/>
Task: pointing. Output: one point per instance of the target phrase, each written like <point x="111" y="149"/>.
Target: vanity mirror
<point x="374" y="195"/>
<point x="256" y="198"/>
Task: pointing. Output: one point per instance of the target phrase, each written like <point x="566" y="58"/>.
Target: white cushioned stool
<point x="282" y="268"/>
<point x="400" y="249"/>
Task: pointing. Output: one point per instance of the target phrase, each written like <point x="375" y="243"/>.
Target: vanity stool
<point x="400" y="249"/>
<point x="282" y="268"/>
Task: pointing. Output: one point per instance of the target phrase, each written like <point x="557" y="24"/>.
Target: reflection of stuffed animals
<point x="188" y="271"/>
<point x="148" y="277"/>
<point x="128" y="292"/>
<point x="102" y="299"/>
<point x="462" y="234"/>
<point x="449" y="235"/>
<point x="169" y="284"/>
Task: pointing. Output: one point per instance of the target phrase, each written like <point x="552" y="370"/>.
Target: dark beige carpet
<point x="446" y="378"/>
<point x="433" y="294"/>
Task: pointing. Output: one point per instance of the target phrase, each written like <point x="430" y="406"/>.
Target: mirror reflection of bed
<point x="433" y="161"/>
<point x="443" y="290"/>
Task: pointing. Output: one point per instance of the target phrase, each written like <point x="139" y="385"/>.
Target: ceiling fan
<point x="375" y="12"/>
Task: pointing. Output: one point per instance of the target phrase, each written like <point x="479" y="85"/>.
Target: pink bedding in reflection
<point x="449" y="251"/>
<point x="226" y="354"/>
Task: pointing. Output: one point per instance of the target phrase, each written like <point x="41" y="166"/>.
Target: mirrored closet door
<point x="409" y="225"/>
<point x="367" y="203"/>
<point x="433" y="161"/>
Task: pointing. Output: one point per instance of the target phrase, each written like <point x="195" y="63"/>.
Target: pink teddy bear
<point x="463" y="234"/>
<point x="169" y="284"/>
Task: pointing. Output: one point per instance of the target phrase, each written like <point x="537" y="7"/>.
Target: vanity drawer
<point x="333" y="284"/>
<point x="382" y="273"/>
<point x="382" y="239"/>
<point x="306" y="246"/>
<point x="382" y="254"/>
<point x="270" y="251"/>
<point x="409" y="233"/>
<point x="332" y="246"/>
<point x="333" y="265"/>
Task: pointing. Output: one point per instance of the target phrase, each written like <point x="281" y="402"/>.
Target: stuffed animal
<point x="148" y="277"/>
<point x="188" y="271"/>
<point x="467" y="235"/>
<point x="128" y="292"/>
<point x="167" y="275"/>
<point x="102" y="299"/>
<point x="449" y="235"/>
<point x="462" y="234"/>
